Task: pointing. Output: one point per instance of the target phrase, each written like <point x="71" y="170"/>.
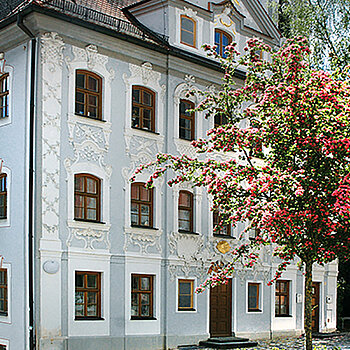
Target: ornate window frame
<point x="6" y="222"/>
<point x="90" y="60"/>
<point x="191" y="14"/>
<point x="8" y="120"/>
<point x="144" y="76"/>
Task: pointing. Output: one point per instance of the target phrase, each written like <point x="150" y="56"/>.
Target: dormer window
<point x="222" y="39"/>
<point x="188" y="31"/>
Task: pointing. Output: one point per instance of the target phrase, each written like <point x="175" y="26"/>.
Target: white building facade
<point x="89" y="91"/>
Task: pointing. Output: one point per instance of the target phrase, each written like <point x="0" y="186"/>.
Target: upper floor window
<point x="3" y="292"/>
<point x="87" y="197"/>
<point x="4" y="96"/>
<point x="143" y="108"/>
<point x="141" y="296"/>
<point x="225" y="229"/>
<point x="187" y="121"/>
<point x="188" y="31"/>
<point x="222" y="39"/>
<point x="87" y="295"/>
<point x="88" y="94"/>
<point x="185" y="211"/>
<point x="3" y="196"/>
<point x="141" y="205"/>
<point x="282" y="298"/>
<point x="220" y="119"/>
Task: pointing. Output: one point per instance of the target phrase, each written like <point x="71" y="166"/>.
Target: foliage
<point x="325" y="22"/>
<point x="297" y="198"/>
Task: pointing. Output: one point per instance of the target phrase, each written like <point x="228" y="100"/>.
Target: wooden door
<point x="221" y="310"/>
<point x="315" y="306"/>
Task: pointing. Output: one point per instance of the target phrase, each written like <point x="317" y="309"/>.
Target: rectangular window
<point x="188" y="31"/>
<point x="4" y="96"/>
<point x="185" y="295"/>
<point x="254" y="297"/>
<point x="185" y="211"/>
<point x="187" y="121"/>
<point x="143" y="108"/>
<point x="141" y="205"/>
<point x="141" y="296"/>
<point x="87" y="295"/>
<point x="282" y="298"/>
<point x="225" y="229"/>
<point x="3" y="196"/>
<point x="3" y="292"/>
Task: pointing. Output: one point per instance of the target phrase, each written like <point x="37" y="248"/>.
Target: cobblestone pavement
<point x="341" y="341"/>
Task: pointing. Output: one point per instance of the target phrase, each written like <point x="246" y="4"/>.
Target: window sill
<point x="4" y="314"/>
<point x="92" y="118"/>
<point x="188" y="232"/>
<point x="223" y="236"/>
<point x="254" y="310"/>
<point x="288" y="316"/>
<point x="186" y="140"/>
<point x="150" y="131"/>
<point x="186" y="310"/>
<point x="86" y="220"/>
<point x="139" y="318"/>
<point x="146" y="227"/>
<point x="89" y="319"/>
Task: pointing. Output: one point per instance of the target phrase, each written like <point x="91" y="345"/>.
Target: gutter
<point x="26" y="30"/>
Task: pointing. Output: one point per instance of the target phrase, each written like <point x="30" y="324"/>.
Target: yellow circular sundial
<point x="223" y="247"/>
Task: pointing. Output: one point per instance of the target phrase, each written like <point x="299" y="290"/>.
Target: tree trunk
<point x="308" y="305"/>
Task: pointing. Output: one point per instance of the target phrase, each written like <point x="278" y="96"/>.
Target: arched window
<point x="185" y="211"/>
<point x="225" y="229"/>
<point x="3" y="196"/>
<point x="141" y="205"/>
<point x="143" y="108"/>
<point x="4" y="96"/>
<point x="188" y="31"/>
<point x="222" y="39"/>
<point x="88" y="94"/>
<point x="87" y="197"/>
<point x="187" y="121"/>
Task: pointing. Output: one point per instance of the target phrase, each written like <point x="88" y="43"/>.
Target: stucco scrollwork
<point x="185" y="246"/>
<point x="143" y="238"/>
<point x="189" y="12"/>
<point x="52" y="47"/>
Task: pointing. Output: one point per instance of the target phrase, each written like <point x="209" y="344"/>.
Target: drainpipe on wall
<point x="26" y="30"/>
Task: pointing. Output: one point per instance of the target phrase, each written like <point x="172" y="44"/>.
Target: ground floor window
<point x="254" y="297"/>
<point x="185" y="295"/>
<point x="3" y="293"/>
<point x="282" y="298"/>
<point x="87" y="295"/>
<point x="141" y="296"/>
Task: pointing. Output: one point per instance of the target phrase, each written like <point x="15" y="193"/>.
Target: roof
<point x="107" y="13"/>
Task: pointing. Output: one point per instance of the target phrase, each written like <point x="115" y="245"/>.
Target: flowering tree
<point x="289" y="173"/>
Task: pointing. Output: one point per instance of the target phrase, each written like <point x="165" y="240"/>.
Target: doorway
<point x="315" y="306"/>
<point x="220" y="317"/>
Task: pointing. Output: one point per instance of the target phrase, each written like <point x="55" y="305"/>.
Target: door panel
<point x="315" y="306"/>
<point x="221" y="310"/>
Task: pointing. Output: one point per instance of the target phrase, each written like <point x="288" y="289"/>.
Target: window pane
<point x="134" y="191"/>
<point x="185" y="288"/>
<point x="80" y="97"/>
<point x="185" y="301"/>
<point x="145" y="299"/>
<point x="144" y="194"/>
<point x="145" y="283"/>
<point x="184" y="107"/>
<point x="93" y="100"/>
<point x="91" y="203"/>
<point x="91" y="214"/>
<point x="134" y="299"/>
<point x="145" y="310"/>
<point x="147" y="98"/>
<point x="135" y="95"/>
<point x="79" y="183"/>
<point x="134" y="283"/>
<point x="187" y="38"/>
<point x="136" y="117"/>
<point x="78" y="213"/>
<point x="91" y="281"/>
<point x="81" y="81"/>
<point x="184" y="215"/>
<point x="79" y="108"/>
<point x="91" y="185"/>
<point x="145" y="220"/>
<point x="79" y="281"/>
<point x="187" y="24"/>
<point x="79" y="310"/>
<point x="134" y="310"/>
<point x="92" y="112"/>
<point x="79" y="297"/>
<point x="225" y="41"/>
<point x="217" y="38"/>
<point x="93" y="85"/>
<point x="2" y="293"/>
<point x="92" y="298"/>
<point x="92" y="310"/>
<point x="185" y="199"/>
<point x="147" y="117"/>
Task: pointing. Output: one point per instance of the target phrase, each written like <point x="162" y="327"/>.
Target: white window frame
<point x="261" y="297"/>
<point x="7" y="319"/>
<point x="194" y="311"/>
<point x="7" y="222"/>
